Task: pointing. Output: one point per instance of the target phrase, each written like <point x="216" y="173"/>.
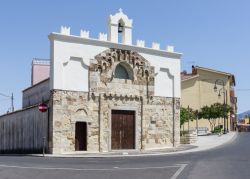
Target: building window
<point x="121" y="72"/>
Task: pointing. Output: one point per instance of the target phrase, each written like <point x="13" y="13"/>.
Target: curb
<point x="125" y="154"/>
<point x="232" y="138"/>
<point x="229" y="140"/>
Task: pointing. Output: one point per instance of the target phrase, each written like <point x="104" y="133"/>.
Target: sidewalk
<point x="203" y="143"/>
<point x="212" y="141"/>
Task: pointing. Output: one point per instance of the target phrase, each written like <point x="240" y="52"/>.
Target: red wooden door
<point x="123" y="129"/>
<point x="81" y="136"/>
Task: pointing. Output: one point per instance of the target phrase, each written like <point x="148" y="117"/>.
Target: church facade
<point x="107" y="94"/>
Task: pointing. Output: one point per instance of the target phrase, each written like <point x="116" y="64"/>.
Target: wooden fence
<point x="24" y="131"/>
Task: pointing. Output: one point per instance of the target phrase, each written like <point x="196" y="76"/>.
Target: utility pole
<point x="12" y="102"/>
<point x="11" y="98"/>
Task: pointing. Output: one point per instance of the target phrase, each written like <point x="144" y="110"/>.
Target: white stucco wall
<point x="71" y="55"/>
<point x="70" y="61"/>
<point x="167" y="79"/>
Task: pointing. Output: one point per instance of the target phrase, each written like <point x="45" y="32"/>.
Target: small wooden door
<point x="81" y="136"/>
<point x="123" y="129"/>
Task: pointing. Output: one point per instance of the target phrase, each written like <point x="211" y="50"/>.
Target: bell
<point x="120" y="28"/>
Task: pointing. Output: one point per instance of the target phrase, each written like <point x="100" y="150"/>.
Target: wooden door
<point x="123" y="129"/>
<point x="81" y="136"/>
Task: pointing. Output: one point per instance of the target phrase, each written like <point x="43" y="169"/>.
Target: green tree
<point x="213" y="112"/>
<point x="183" y="115"/>
<point x="187" y="114"/>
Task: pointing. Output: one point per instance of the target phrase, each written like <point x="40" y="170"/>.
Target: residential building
<point x="40" y="70"/>
<point x="245" y="121"/>
<point x="197" y="91"/>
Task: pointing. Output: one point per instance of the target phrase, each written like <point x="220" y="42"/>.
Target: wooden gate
<point x="81" y="136"/>
<point x="123" y="129"/>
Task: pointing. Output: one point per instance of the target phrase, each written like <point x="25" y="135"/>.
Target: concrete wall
<point x="36" y="94"/>
<point x="23" y="131"/>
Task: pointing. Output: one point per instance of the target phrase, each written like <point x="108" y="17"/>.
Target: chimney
<point x="194" y="70"/>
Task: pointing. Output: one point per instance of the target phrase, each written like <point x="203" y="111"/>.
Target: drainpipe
<point x="88" y="85"/>
<point x="142" y="147"/>
<point x="99" y="121"/>
<point x="147" y="88"/>
<point x="48" y="131"/>
<point x="173" y="110"/>
<point x="173" y="106"/>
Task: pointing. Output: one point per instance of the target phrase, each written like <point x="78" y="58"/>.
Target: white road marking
<point x="178" y="172"/>
<point x="94" y="169"/>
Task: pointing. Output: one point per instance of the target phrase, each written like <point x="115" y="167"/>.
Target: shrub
<point x="217" y="129"/>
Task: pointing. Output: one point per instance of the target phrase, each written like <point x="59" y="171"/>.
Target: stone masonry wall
<point x="68" y="108"/>
<point x="154" y="115"/>
<point x="158" y="125"/>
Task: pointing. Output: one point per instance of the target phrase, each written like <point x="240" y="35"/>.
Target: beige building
<point x="197" y="90"/>
<point x="245" y="121"/>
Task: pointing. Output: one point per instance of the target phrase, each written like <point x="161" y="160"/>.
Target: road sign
<point x="42" y="107"/>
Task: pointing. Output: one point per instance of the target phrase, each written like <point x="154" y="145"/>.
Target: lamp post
<point x="224" y="91"/>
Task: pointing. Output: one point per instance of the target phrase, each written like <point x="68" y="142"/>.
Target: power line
<point x="5" y="95"/>
<point x="4" y="100"/>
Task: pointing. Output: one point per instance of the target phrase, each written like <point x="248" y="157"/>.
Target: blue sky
<point x="211" y="33"/>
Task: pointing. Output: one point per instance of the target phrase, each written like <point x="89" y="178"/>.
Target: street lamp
<point x="224" y="91"/>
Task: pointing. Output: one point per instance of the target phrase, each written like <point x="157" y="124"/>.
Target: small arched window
<point x="121" y="72"/>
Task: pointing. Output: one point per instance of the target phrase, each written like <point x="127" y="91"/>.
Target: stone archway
<point x="135" y="64"/>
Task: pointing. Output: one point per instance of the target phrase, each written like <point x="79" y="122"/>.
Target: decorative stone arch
<point x="124" y="66"/>
<point x="82" y="112"/>
<point x="140" y="70"/>
<point x="81" y="115"/>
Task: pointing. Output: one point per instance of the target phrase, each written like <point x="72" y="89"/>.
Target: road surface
<point x="230" y="161"/>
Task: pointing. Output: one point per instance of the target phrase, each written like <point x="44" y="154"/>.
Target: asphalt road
<point x="230" y="161"/>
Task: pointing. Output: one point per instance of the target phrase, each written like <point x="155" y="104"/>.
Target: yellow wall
<point x="199" y="92"/>
<point x="245" y="121"/>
